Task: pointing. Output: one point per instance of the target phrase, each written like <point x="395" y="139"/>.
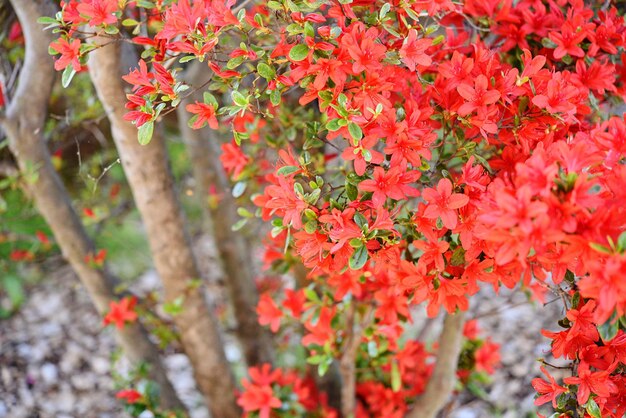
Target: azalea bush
<point x="401" y="154"/>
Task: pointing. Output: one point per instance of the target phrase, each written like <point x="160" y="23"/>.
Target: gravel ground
<point x="516" y="326"/>
<point x="55" y="355"/>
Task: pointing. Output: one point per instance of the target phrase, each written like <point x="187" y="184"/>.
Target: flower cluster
<point x="418" y="152"/>
<point x="268" y="391"/>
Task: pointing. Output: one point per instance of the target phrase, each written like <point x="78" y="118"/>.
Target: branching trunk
<point x="23" y="125"/>
<point x="203" y="148"/>
<point x="151" y="182"/>
<point x="441" y="383"/>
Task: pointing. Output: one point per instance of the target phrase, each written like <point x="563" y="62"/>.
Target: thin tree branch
<point x="443" y="379"/>
<point x="347" y="362"/>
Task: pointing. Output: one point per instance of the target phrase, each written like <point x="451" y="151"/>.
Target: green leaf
<point x="239" y="99"/>
<point x="245" y="213"/>
<point x="356" y="243"/>
<point x="600" y="248"/>
<point x="111" y="30"/>
<point x="297" y="187"/>
<point x="68" y="75"/>
<point x="323" y="367"/>
<point x="372" y="349"/>
<point x="310" y="227"/>
<point x="129" y="22"/>
<point x="621" y="242"/>
<point x="359" y="258"/>
<point x="311" y="295"/>
<point x="311" y="198"/>
<point x="351" y="191"/>
<point x="239" y="189"/>
<point x="384" y="10"/>
<point x="208" y="98"/>
<point x="299" y="52"/>
<point x="548" y="43"/>
<point x="316" y="359"/>
<point x="47" y="20"/>
<point x="192" y="121"/>
<point x="609" y="329"/>
<point x="360" y="220"/>
<point x="174" y="307"/>
<point x="286" y="170"/>
<point x="239" y="224"/>
<point x="275" y="97"/>
<point x="458" y="257"/>
<point x="396" y="379"/>
<point x="333" y="125"/>
<point x="187" y="59"/>
<point x="145" y="133"/>
<point x="266" y="71"/>
<point x="355" y="131"/>
<point x="593" y="409"/>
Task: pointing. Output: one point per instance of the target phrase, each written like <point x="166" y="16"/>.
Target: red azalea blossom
<point x="443" y="203"/>
<point x="268" y="312"/>
<point x="205" y="114"/>
<point x="131" y="396"/>
<point x="413" y="51"/>
<point x="121" y="312"/>
<point x="70" y="54"/>
<point x="549" y="391"/>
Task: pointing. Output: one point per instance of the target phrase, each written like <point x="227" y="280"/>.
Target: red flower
<point x="387" y="184"/>
<point x="70" y="54"/>
<point x="88" y="212"/>
<point x="15" y="33"/>
<point x="121" y="312"/>
<point x="549" y="391"/>
<point x="320" y="331"/>
<point x="364" y="50"/>
<point x="413" y="51"/>
<point x="99" y="12"/>
<point x="477" y="97"/>
<point x="487" y="356"/>
<point x="443" y="203"/>
<point x="591" y="382"/>
<point x="294" y="301"/>
<point x="21" y="255"/>
<point x="268" y="312"/>
<point x="567" y="42"/>
<point x="42" y="237"/>
<point x="258" y="395"/>
<point x="233" y="159"/>
<point x="129" y="395"/>
<point x="96" y="260"/>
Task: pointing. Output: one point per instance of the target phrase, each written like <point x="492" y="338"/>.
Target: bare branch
<point x="150" y="179"/>
<point x="442" y="381"/>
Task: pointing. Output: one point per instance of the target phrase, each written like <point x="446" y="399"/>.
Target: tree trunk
<point x="203" y="148"/>
<point x="23" y="125"/>
<point x="151" y="182"/>
<point x="441" y="383"/>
